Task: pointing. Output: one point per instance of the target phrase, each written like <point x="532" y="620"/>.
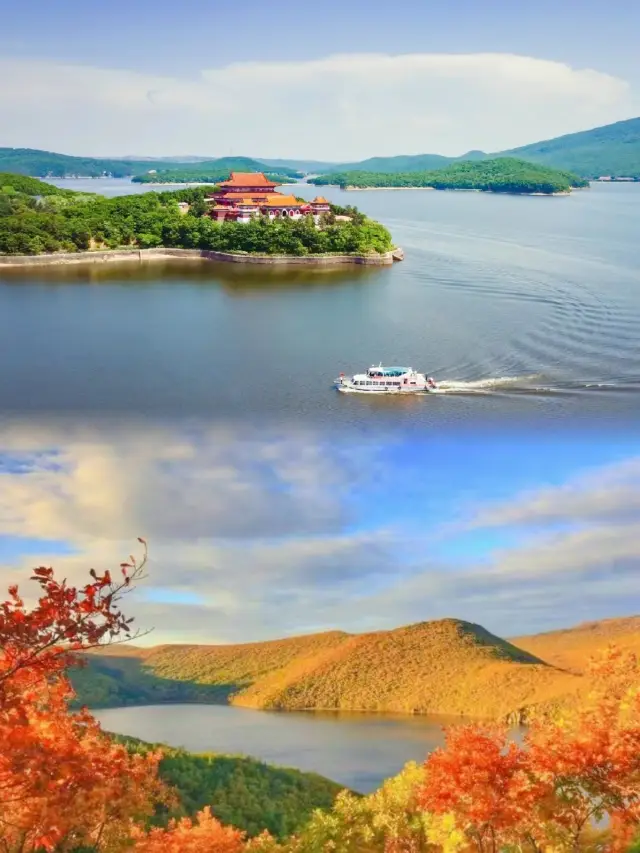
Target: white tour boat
<point x="386" y="380"/>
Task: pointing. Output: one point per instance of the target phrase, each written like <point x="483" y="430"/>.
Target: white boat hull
<point x="349" y="388"/>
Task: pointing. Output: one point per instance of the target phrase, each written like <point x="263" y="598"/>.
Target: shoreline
<point x="162" y="254"/>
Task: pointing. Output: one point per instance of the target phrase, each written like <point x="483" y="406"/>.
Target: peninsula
<point x="501" y="175"/>
<point x="242" y="219"/>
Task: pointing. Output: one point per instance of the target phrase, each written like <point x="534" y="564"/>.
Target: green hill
<point x="502" y="174"/>
<point x="214" y="171"/>
<point x="613" y="149"/>
<point x="241" y="791"/>
<point x="48" y="164"/>
<point x="11" y="184"/>
<point x="400" y="163"/>
<point x="443" y="667"/>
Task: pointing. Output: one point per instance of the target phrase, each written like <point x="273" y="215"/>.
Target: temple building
<point x="249" y="194"/>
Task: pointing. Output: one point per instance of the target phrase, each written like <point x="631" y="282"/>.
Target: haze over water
<point x="524" y="308"/>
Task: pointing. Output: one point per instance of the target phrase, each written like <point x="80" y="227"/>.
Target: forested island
<point x="37" y="218"/>
<point x="501" y="175"/>
<point x="213" y="172"/>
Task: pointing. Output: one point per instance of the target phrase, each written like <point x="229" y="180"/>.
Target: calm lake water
<point x="356" y="750"/>
<point x="528" y="309"/>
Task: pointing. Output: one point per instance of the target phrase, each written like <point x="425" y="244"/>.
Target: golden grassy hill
<point x="442" y="667"/>
<point x="571" y="648"/>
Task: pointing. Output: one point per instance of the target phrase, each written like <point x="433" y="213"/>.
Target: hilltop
<point x="613" y="149"/>
<point x="571" y="648"/>
<point x="503" y="174"/>
<point x="442" y="667"/>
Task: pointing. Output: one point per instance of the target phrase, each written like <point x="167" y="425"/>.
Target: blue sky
<point x="277" y="534"/>
<point x="298" y="79"/>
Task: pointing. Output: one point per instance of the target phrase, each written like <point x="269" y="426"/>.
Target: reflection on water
<point x="236" y="279"/>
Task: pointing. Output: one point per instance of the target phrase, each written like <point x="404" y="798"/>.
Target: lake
<point x="357" y="750"/>
<point x="527" y="308"/>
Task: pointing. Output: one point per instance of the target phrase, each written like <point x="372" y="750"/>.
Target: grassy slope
<point x="446" y="667"/>
<point x="571" y="648"/>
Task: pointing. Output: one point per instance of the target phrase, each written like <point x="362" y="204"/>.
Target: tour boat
<point x="386" y="380"/>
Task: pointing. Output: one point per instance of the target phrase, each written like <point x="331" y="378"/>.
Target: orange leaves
<point x="63" y="783"/>
<point x="65" y="619"/>
<point x="205" y="835"/>
<point x="553" y="790"/>
<point x="482" y="778"/>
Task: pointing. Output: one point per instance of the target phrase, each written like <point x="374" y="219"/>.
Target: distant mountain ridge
<point x="43" y="164"/>
<point x="446" y="667"/>
<point x="609" y="150"/>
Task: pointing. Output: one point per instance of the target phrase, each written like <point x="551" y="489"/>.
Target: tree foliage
<point x="241" y="791"/>
<point x="553" y="791"/>
<point x="63" y="783"/>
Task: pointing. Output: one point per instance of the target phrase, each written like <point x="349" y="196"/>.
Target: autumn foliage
<point x="571" y="784"/>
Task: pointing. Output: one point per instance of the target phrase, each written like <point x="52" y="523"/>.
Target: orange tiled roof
<point x="319" y="200"/>
<point x="248" y="179"/>
<point x="279" y="200"/>
<point x="238" y="197"/>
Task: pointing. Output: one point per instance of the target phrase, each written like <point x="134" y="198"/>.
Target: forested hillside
<point x="245" y="793"/>
<point x="444" y="667"/>
<point x="613" y="149"/>
<point x="48" y="164"/>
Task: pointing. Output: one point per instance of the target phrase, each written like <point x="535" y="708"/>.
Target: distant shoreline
<point x="446" y="190"/>
<point x="160" y="254"/>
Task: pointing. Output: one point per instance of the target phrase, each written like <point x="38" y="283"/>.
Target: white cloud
<point x="610" y="492"/>
<point x="258" y="535"/>
<point x="340" y="107"/>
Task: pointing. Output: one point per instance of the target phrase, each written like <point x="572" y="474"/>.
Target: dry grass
<point x="443" y="667"/>
<point x="571" y="648"/>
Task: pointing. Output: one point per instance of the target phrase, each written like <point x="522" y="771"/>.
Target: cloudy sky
<point x="336" y="80"/>
<point x="266" y="535"/>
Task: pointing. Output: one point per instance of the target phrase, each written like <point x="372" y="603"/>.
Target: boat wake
<point x="532" y="384"/>
<point x="484" y="386"/>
